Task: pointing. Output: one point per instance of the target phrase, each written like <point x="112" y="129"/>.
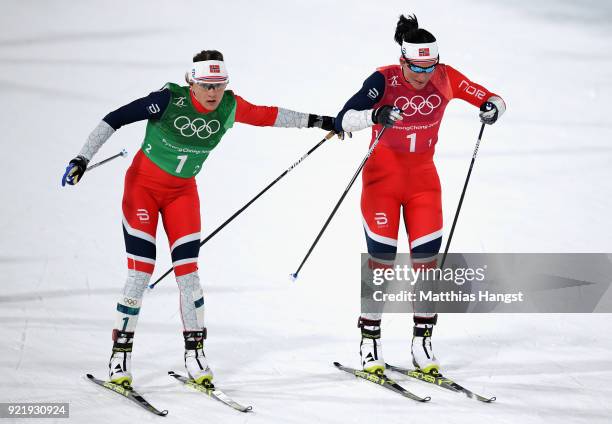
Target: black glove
<point x="74" y="171"/>
<point x="386" y="116"/>
<point x="324" y="122"/>
<point x="488" y="113"/>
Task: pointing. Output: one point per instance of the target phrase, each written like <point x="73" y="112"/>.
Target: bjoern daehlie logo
<point x="420" y="104"/>
<point x="198" y="127"/>
<point x="381" y="219"/>
<point x="143" y="215"/>
<point x="153" y="108"/>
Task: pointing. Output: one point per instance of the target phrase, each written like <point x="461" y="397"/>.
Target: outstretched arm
<point x="272" y="116"/>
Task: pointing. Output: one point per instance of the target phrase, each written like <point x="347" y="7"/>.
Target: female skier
<point x="184" y="124"/>
<point x="400" y="176"/>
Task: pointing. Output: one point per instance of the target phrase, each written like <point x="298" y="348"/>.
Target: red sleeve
<point x="467" y="90"/>
<point x="261" y="116"/>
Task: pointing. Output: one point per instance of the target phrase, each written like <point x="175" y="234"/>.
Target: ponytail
<point x="408" y="30"/>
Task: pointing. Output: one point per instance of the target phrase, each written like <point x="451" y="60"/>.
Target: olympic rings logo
<point x="131" y="302"/>
<point x="420" y="104"/>
<point x="198" y="126"/>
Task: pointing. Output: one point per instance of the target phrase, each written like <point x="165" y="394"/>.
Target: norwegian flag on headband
<point x="422" y="52"/>
<point x="209" y="71"/>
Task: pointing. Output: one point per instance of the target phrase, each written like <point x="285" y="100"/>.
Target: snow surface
<point x="541" y="184"/>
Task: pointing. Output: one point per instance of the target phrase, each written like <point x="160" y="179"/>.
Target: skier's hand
<point x="386" y="116"/>
<point x="74" y="171"/>
<point x="488" y="113"/>
<point x="324" y="122"/>
<point x="492" y="110"/>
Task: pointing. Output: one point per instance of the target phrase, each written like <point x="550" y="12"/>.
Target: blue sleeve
<point x="371" y="92"/>
<point x="149" y="107"/>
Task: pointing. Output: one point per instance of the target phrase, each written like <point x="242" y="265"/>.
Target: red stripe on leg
<point x="140" y="266"/>
<point x="185" y="269"/>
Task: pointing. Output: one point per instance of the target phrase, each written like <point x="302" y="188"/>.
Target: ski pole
<point x="467" y="179"/>
<point x="346" y="190"/>
<point x="239" y="211"/>
<point x="123" y="153"/>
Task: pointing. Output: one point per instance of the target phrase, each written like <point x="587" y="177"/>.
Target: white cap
<point x="423" y="54"/>
<point x="208" y="72"/>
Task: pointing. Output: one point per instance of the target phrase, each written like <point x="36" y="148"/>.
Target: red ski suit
<point x="400" y="176"/>
<point x="150" y="191"/>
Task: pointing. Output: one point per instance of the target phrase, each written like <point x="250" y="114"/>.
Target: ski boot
<point x="370" y="348"/>
<point x="120" y="361"/>
<point x="195" y="360"/>
<point x="423" y="357"/>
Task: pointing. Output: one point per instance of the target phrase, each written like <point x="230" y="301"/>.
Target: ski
<point x="128" y="392"/>
<point x="211" y="391"/>
<point x="383" y="381"/>
<point x="440" y="381"/>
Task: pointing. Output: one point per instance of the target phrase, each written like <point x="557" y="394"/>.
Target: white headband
<point x="208" y="72"/>
<point x="424" y="53"/>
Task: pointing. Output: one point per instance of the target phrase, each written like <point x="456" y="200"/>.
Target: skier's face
<point x="416" y="79"/>
<point x="209" y="95"/>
